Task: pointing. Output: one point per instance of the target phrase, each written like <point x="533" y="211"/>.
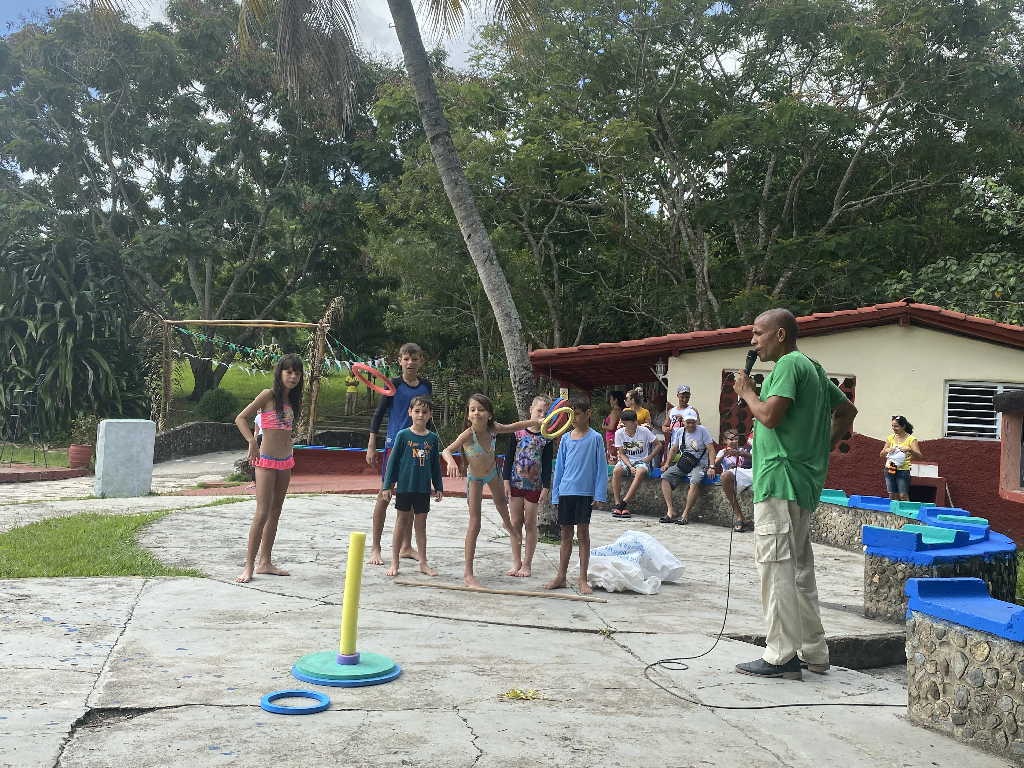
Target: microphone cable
<point x="678" y="664"/>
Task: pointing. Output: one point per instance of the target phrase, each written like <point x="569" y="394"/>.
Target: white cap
<point x="690" y="414"/>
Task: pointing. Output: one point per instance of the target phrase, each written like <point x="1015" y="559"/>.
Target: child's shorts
<point x="635" y="468"/>
<point x="521" y="493"/>
<point x="574" y="510"/>
<point x="272" y="462"/>
<point x="419" y="503"/>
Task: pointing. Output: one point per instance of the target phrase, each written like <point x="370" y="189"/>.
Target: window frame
<point x="999" y="386"/>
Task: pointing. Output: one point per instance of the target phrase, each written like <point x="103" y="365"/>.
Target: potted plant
<point x="82" y="439"/>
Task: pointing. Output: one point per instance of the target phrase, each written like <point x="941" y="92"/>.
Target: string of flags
<point x="262" y="358"/>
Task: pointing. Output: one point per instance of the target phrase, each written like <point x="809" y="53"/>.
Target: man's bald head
<point x="780" y="318"/>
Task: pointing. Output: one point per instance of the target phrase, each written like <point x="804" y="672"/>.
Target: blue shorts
<point x="898" y="482"/>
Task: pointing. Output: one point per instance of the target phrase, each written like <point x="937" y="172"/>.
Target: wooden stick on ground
<point x="520" y="592"/>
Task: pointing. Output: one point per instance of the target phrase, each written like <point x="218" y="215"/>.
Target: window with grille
<point x="969" y="411"/>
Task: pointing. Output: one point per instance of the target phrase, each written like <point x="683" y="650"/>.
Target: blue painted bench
<point x="833" y="496"/>
<point x="966" y="602"/>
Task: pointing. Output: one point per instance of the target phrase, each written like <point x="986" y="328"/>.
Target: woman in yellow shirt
<point x="901" y="448"/>
<point x="634" y="401"/>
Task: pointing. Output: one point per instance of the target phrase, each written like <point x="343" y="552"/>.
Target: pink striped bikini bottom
<point x="272" y="462"/>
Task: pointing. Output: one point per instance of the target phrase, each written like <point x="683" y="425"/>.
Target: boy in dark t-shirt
<point x="413" y="464"/>
<point x="396" y="408"/>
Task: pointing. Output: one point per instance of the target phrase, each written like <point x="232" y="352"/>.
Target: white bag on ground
<point x="637" y="562"/>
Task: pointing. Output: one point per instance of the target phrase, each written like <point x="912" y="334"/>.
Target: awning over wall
<point x="590" y="366"/>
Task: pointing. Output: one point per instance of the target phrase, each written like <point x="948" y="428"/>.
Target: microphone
<point x="751" y="359"/>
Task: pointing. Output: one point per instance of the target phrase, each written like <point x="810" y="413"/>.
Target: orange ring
<point x="549" y="418"/>
<point x="358" y="368"/>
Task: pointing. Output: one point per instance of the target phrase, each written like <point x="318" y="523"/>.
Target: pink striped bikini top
<point x="271" y="420"/>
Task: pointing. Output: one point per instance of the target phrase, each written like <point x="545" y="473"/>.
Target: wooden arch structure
<point x="314" y="359"/>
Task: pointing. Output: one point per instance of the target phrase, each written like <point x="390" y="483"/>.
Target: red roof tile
<point x="594" y="365"/>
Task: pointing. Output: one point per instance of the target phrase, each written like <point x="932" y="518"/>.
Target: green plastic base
<point x="324" y="666"/>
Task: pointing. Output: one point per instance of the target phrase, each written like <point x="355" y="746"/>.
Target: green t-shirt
<point x="791" y="461"/>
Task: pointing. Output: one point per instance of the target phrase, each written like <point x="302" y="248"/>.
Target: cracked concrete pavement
<point x="169" y="672"/>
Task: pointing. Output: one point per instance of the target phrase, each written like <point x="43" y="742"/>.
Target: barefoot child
<point x="477" y="444"/>
<point x="396" y="408"/>
<point x="581" y="478"/>
<point x="414" y="463"/>
<point x="527" y="472"/>
<point x="272" y="460"/>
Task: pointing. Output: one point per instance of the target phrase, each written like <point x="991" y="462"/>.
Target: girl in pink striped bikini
<point x="272" y="459"/>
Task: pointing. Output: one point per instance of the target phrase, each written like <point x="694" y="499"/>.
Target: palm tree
<point x="315" y="45"/>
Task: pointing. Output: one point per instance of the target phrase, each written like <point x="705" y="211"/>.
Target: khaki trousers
<point x="789" y="594"/>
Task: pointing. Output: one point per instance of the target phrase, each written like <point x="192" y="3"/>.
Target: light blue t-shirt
<point x="693" y="442"/>
<point x="580" y="468"/>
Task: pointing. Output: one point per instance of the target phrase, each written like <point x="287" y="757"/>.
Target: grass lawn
<point x="22" y="454"/>
<point x="83" y="545"/>
<point x="330" y="404"/>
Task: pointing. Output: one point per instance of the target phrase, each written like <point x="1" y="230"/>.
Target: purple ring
<point x="347" y="659"/>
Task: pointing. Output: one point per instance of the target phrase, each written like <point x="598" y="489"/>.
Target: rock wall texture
<point x="967" y="685"/>
<point x="884" y="580"/>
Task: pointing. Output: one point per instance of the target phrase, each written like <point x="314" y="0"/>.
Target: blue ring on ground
<point x="387" y="677"/>
<point x="321" y="699"/>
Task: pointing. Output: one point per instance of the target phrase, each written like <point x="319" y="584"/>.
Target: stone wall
<point x="884" y="580"/>
<point x="197" y="437"/>
<point x="966" y="684"/>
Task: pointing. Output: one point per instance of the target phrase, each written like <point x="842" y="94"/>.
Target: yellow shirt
<point x="643" y="416"/>
<point x="351" y="384"/>
<point x="904" y="445"/>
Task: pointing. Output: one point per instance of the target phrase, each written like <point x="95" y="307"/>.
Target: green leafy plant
<point x="217" y="405"/>
<point x="83" y="429"/>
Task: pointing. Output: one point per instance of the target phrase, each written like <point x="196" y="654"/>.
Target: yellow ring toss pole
<point x="350" y="601"/>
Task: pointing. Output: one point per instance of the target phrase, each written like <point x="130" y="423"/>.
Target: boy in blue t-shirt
<point x="413" y="464"/>
<point x="396" y="408"/>
<point x="581" y="478"/>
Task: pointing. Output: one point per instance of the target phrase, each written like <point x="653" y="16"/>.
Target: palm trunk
<point x="449" y="166"/>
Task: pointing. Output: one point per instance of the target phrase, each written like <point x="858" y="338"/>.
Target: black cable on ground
<point x="677" y="664"/>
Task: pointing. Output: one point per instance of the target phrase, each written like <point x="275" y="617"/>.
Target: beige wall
<point x="899" y="371"/>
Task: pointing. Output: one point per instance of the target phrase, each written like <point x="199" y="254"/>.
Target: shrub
<point x="217" y="405"/>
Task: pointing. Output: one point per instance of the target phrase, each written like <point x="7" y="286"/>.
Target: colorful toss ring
<point x="322" y="702"/>
<point x="359" y="368"/>
<point x="559" y="402"/>
<point x="549" y="420"/>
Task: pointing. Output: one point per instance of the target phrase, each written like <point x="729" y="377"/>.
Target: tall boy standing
<point x="396" y="408"/>
<point x="581" y="478"/>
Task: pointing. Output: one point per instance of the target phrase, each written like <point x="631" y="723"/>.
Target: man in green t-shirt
<point x="800" y="416"/>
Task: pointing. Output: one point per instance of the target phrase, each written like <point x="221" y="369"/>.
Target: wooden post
<point x="165" y="380"/>
<point x="316" y="373"/>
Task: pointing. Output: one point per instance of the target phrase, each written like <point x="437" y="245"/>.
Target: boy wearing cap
<point x="637" y="445"/>
<point x="695" y="440"/>
<point x="675" y="416"/>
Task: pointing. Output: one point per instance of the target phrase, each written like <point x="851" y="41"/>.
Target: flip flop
<point x="738" y="526"/>
<point x="681" y="521"/>
<point x="667" y="519"/>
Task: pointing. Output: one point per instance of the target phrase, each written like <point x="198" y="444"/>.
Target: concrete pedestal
<point x="124" y="457"/>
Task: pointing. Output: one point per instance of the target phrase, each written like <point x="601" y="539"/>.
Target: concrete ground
<point x="169" y="672"/>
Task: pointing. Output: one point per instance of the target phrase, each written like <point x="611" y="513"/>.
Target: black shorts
<point x="574" y="510"/>
<point x="413" y="502"/>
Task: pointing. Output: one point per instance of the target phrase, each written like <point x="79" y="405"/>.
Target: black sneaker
<point x="761" y="668"/>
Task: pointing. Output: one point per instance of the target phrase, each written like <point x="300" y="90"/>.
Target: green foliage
<point x="83" y="429"/>
<point x="217" y="405"/>
<point x="82" y="545"/>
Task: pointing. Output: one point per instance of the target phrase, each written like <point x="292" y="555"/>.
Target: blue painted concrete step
<point x="912" y="538"/>
<point x="833" y="496"/>
<point x="966" y="602"/>
<point x="870" y="502"/>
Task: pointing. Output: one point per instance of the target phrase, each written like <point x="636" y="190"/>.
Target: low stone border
<point x="195" y="438"/>
<point x="966" y="684"/>
<point x="885" y="580"/>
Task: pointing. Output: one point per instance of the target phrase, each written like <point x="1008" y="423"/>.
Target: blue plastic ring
<point x="322" y="702"/>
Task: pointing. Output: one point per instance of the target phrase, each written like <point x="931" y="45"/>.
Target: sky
<point x="373" y="19"/>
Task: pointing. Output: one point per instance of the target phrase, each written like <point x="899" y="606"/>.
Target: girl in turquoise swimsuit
<point x="477" y="444"/>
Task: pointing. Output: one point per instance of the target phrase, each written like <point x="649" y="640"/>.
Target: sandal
<point x="623" y="512"/>
<point x="667" y="519"/>
<point x="738" y="526"/>
<point x="681" y="521"/>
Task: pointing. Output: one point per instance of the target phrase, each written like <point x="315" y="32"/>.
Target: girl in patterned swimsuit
<point x="272" y="460"/>
<point x="477" y="444"/>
